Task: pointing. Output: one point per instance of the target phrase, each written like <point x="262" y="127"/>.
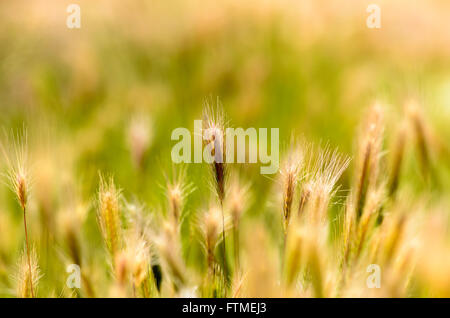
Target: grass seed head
<point x="27" y="281"/>
<point x="290" y="174"/>
<point x="17" y="165"/>
<point x="139" y="254"/>
<point x="109" y="214"/>
<point x="369" y="154"/>
<point x="323" y="169"/>
<point x="212" y="221"/>
<point x="177" y="192"/>
<point x="213" y="134"/>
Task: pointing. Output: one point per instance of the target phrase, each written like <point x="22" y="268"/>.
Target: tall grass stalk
<point x="214" y="137"/>
<point x="19" y="183"/>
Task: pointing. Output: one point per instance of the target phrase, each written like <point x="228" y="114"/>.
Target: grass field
<point x="360" y="206"/>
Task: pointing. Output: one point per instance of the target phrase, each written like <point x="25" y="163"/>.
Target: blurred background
<point x="107" y="96"/>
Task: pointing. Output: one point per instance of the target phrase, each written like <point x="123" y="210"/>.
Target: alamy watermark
<point x="374" y="19"/>
<point x="73" y="20"/>
<point x="74" y="279"/>
<point x="219" y="145"/>
<point x="374" y="279"/>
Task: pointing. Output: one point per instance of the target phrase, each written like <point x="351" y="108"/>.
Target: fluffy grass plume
<point x="28" y="274"/>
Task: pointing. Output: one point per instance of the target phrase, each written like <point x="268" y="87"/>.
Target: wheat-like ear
<point x="213" y="133"/>
<point x="17" y="165"/>
<point x="109" y="215"/>
<point x="348" y="230"/>
<point x="138" y="252"/>
<point x="139" y="247"/>
<point x="28" y="274"/>
<point x="323" y="169"/>
<point x="305" y="194"/>
<point x="375" y="200"/>
<point x="19" y="182"/>
<point x="177" y="191"/>
<point x="211" y="227"/>
<point x="290" y="174"/>
<point x="369" y="153"/>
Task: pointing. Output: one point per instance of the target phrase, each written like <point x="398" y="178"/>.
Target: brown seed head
<point x="290" y="173"/>
<point x="213" y="133"/>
